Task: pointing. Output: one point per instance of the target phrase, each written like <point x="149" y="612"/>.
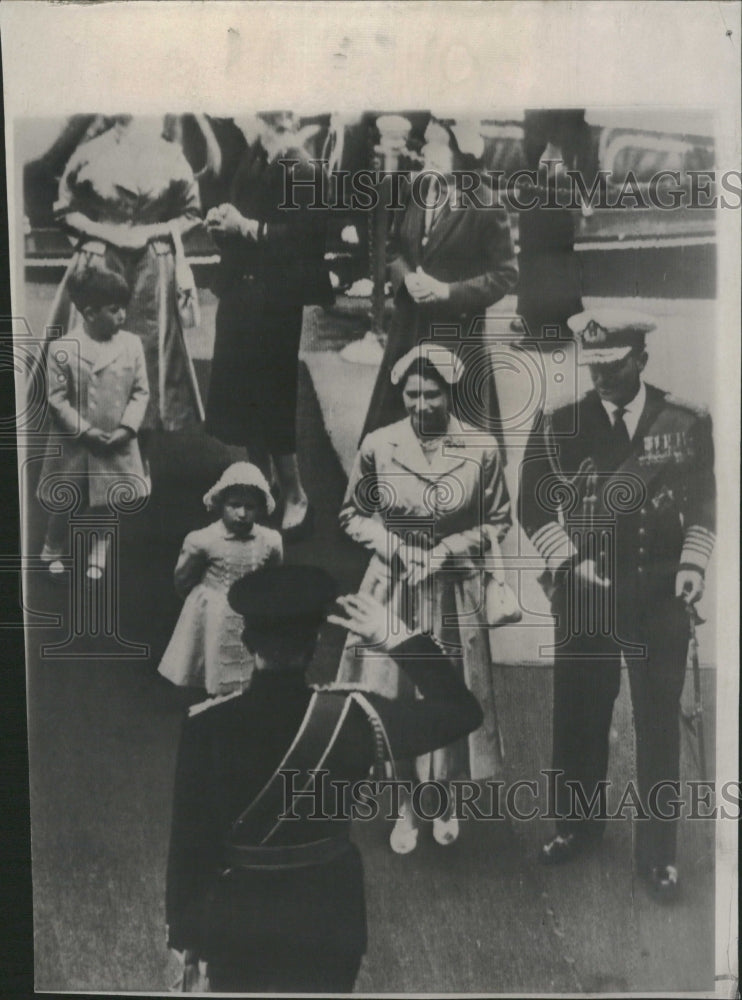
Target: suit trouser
<point x="587" y="674"/>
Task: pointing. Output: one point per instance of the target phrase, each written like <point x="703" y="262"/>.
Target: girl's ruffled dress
<point x="206" y="648"/>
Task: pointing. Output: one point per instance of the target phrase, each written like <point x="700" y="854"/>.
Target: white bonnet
<point x="240" y="474"/>
<point x="446" y="363"/>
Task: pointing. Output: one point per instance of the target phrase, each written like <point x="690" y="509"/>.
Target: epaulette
<point x="697" y="409"/>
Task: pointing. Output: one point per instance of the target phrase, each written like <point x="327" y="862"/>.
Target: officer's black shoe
<point x="662" y="882"/>
<point x="562" y="848"/>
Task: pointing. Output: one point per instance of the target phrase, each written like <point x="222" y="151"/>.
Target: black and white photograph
<point x="377" y="397"/>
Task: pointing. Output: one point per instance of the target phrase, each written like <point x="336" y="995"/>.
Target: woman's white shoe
<point x="445" y="831"/>
<point x="403" y="839"/>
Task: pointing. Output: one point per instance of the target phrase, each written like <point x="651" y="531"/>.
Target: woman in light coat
<point x="428" y="499"/>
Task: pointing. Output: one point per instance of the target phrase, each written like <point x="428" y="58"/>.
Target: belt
<point x="317" y="852"/>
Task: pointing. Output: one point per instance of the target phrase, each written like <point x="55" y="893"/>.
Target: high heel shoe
<point x="403" y="838"/>
<point x="445" y="831"/>
<point x="298" y="532"/>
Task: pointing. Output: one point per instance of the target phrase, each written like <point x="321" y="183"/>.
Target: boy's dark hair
<point x="97" y="287"/>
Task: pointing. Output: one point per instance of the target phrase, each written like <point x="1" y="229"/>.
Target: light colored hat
<point x="240" y="474"/>
<point x="445" y="362"/>
<point x="608" y="335"/>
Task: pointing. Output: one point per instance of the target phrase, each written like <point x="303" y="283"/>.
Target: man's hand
<point x="425" y="288"/>
<point x="586" y="574"/>
<point x="689" y="584"/>
<point x="226" y="220"/>
<point x="369" y="621"/>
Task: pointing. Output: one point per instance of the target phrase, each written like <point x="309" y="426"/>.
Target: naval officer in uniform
<point x="272" y="905"/>
<point x="617" y="495"/>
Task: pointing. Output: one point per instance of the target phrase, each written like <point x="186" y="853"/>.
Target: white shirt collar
<point x="632" y="410"/>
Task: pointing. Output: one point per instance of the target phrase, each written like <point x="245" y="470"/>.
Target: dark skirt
<point x="253" y="386"/>
<point x="475" y="399"/>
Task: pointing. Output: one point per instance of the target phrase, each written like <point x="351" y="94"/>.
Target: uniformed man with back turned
<point x="617" y="495"/>
<point x="264" y="888"/>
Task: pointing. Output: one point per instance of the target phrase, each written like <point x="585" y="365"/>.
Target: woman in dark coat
<point x="272" y="266"/>
<point x="449" y="261"/>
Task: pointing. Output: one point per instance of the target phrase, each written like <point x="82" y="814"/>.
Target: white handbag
<point x="501" y="604"/>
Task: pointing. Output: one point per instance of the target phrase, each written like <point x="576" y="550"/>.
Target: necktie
<point x="432" y="207"/>
<point x="620" y="430"/>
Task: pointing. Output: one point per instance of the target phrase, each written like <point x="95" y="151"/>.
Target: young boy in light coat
<point x="97" y="394"/>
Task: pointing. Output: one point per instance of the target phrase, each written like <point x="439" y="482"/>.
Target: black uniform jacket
<point x="654" y="502"/>
<point x="227" y="754"/>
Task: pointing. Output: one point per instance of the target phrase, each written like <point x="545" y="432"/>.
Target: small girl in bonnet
<point x="206" y="648"/>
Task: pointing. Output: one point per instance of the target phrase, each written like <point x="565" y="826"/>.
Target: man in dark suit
<point x="617" y="495"/>
<point x="271" y="904"/>
<point x="450" y="257"/>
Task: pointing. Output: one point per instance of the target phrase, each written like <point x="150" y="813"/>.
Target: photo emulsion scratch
<point x="377" y="427"/>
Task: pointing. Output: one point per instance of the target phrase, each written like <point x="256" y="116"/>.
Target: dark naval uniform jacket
<point x="656" y="498"/>
<point x="304" y="908"/>
<point x="642" y="511"/>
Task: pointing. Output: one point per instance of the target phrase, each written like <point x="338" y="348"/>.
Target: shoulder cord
<point x="383" y="755"/>
<point x="586" y="473"/>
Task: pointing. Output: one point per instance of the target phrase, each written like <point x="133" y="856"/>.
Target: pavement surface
<point x="480" y="916"/>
